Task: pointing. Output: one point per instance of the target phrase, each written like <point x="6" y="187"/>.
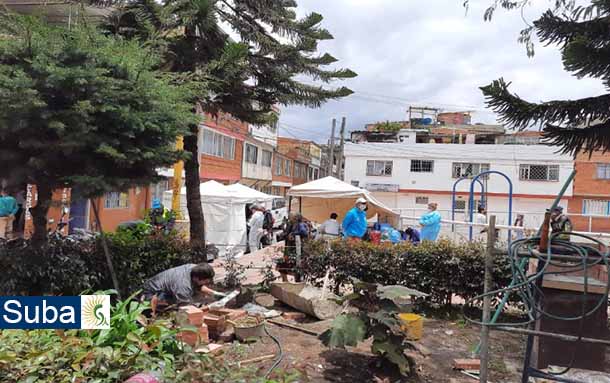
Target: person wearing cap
<point x="560" y="223"/>
<point x="430" y="223"/>
<point x="160" y="217"/>
<point x="354" y="224"/>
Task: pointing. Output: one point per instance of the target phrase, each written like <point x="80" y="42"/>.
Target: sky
<point x="433" y="52"/>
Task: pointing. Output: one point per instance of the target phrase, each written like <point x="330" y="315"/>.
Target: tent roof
<point x="327" y="187"/>
<point x="214" y="191"/>
<point x="244" y="191"/>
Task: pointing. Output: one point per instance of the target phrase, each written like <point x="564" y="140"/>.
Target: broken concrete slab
<point x="307" y="299"/>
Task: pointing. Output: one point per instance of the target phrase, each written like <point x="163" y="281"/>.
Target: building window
<point x="460" y="205"/>
<point x="251" y="154"/>
<point x="278" y="166"/>
<point x="529" y="172"/>
<point x="266" y="158"/>
<point x="216" y="144"/>
<point x="287" y="168"/>
<point x="116" y="200"/>
<point x="470" y="170"/>
<point x="421" y="200"/>
<point x="596" y="207"/>
<point x="379" y="168"/>
<point x="603" y="171"/>
<point x="422" y="166"/>
<point x="355" y="183"/>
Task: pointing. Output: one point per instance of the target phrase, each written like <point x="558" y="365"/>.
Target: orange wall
<point x="220" y="169"/>
<point x="586" y="182"/>
<point x="598" y="224"/>
<point x="111" y="218"/>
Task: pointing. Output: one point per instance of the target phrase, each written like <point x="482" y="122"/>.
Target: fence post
<point x="489" y="263"/>
<point x="297" y="272"/>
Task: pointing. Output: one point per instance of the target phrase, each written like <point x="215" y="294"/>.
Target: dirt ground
<point x="443" y="341"/>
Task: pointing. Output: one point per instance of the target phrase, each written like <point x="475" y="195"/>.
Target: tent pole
<point x="289" y="205"/>
<point x="301" y="205"/>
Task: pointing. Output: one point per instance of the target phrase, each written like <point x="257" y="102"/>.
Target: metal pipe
<point x="487" y="286"/>
<point x="567" y="338"/>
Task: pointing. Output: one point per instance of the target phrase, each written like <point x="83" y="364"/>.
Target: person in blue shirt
<point x="430" y="223"/>
<point x="354" y="224"/>
<point x="8" y="209"/>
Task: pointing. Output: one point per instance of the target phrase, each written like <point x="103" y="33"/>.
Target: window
<point x="422" y="166"/>
<point x="266" y="158"/>
<point x="378" y="168"/>
<point x="287" y="168"/>
<point x="539" y="172"/>
<point x="603" y="171"/>
<point x="355" y="183"/>
<point x="460" y="205"/>
<point x="251" y="154"/>
<point x="596" y="207"/>
<point x="278" y="166"/>
<point x="216" y="144"/>
<point x="421" y="200"/>
<point x="470" y="170"/>
<point x="116" y="200"/>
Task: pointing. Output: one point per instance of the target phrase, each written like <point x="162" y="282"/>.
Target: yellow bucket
<point x="412" y="325"/>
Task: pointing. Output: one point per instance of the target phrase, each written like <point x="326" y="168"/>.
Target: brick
<point x="189" y="337"/>
<point x="230" y="314"/>
<point x="194" y="315"/>
<point x="294" y="315"/>
<point x="467" y="364"/>
<point x="216" y="324"/>
<point x="204" y="335"/>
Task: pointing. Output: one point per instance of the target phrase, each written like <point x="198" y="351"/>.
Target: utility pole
<point x="331" y="150"/>
<point x="340" y="160"/>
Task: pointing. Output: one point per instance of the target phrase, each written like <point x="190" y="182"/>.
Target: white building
<point x="256" y="168"/>
<point x="409" y="176"/>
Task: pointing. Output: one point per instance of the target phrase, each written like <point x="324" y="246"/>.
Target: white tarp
<point x="329" y="195"/>
<point x="224" y="210"/>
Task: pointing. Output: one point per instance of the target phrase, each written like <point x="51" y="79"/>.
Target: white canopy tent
<point x="224" y="210"/>
<point x="319" y="198"/>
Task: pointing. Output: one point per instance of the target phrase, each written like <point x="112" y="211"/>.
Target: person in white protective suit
<point x="256" y="227"/>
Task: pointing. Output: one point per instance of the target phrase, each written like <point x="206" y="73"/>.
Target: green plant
<point x="67" y="267"/>
<point x="375" y="317"/>
<point x="441" y="269"/>
<point x="235" y="272"/>
<point x="132" y="344"/>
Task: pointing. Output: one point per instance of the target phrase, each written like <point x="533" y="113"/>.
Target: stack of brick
<point x="193" y="316"/>
<point x="216" y="324"/>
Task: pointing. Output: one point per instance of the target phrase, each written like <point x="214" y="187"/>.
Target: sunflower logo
<point x="95" y="311"/>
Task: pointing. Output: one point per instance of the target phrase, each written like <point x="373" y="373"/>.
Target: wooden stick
<point x="489" y="263"/>
<point x="298" y="328"/>
<point x="259" y="359"/>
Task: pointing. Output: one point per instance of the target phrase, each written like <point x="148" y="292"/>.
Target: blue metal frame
<point x="455" y="184"/>
<point x="510" y="200"/>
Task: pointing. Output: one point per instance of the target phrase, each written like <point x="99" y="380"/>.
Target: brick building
<point x="591" y="199"/>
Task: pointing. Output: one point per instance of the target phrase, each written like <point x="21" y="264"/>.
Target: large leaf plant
<point x="372" y="312"/>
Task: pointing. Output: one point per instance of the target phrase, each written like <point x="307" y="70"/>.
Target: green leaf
<point x="398" y="294"/>
<point x="346" y="330"/>
<point x="392" y="349"/>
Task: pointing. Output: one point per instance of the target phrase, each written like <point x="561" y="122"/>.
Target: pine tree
<point x="245" y="77"/>
<point x="575" y="125"/>
<point x="79" y="109"/>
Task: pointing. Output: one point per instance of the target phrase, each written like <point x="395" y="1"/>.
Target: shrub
<point x="68" y="267"/>
<point x="440" y="269"/>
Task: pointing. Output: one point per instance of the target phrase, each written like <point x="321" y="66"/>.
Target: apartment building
<point x="589" y="207"/>
<point x="409" y="176"/>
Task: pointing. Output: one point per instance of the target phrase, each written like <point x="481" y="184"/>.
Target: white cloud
<point x="428" y="51"/>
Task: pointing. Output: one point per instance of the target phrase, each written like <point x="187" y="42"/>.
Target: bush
<point x="440" y="269"/>
<point x="69" y="267"/>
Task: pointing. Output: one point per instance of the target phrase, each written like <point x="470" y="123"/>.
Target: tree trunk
<point x="39" y="213"/>
<point x="193" y="197"/>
